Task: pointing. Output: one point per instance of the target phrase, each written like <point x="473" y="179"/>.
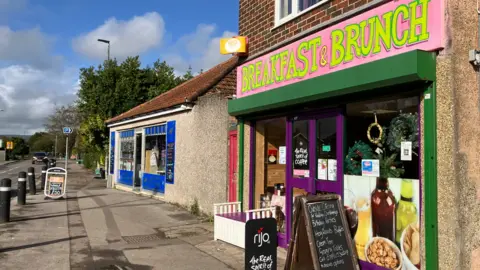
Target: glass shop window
<point x="326" y="149"/>
<point x="155" y="154"/>
<point x="270" y="167"/>
<point x="126" y="154"/>
<point x="381" y="178"/>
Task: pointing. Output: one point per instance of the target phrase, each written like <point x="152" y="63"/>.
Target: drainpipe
<point x="241" y="154"/>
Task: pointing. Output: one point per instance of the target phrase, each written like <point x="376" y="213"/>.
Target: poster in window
<point x="170" y="160"/>
<point x="332" y="169"/>
<point x="112" y="152"/>
<point x="300" y="156"/>
<point x="322" y="170"/>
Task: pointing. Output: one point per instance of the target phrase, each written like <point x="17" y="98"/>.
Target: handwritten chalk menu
<point x="261" y="244"/>
<point x="300" y="155"/>
<point x="320" y="226"/>
<point x="329" y="234"/>
<point x="55" y="182"/>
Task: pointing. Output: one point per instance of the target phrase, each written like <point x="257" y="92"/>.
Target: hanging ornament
<point x="404" y="127"/>
<point x="353" y="160"/>
<point x="377" y="140"/>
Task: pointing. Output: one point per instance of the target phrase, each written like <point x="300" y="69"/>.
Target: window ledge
<point x="291" y="17"/>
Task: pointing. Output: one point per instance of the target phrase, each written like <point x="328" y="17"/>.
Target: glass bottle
<point x="362" y="234"/>
<point x="406" y="209"/>
<point x="383" y="210"/>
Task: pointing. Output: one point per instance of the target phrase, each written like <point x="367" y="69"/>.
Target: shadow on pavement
<point x="71" y="198"/>
<point x="43" y="217"/>
<point x="40" y="244"/>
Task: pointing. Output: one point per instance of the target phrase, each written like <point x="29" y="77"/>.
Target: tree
<point x="111" y="89"/>
<point x="65" y="116"/>
<point x="188" y="75"/>
<point x="41" y="142"/>
<point x="164" y="79"/>
<point x="20" y="148"/>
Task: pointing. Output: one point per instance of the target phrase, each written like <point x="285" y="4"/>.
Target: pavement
<point x="99" y="228"/>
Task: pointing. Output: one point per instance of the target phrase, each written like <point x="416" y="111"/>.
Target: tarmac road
<point x="11" y="171"/>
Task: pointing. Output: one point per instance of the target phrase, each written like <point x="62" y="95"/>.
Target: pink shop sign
<point x="390" y="29"/>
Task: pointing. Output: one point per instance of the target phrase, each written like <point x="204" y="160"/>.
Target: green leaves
<point x="112" y="88"/>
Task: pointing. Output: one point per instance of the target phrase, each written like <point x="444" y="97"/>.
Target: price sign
<point x="55" y="183"/>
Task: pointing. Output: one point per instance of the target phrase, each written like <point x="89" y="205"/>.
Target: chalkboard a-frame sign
<point x="320" y="236"/>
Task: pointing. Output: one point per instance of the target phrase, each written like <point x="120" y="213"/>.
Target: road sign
<point x="55" y="182"/>
<point x="10" y="145"/>
<point x="67" y="130"/>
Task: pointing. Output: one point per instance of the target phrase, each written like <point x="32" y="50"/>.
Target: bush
<point x="90" y="160"/>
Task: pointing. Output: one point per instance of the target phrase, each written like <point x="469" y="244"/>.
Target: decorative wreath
<point x="377" y="140"/>
<point x="353" y="160"/>
<point x="404" y="127"/>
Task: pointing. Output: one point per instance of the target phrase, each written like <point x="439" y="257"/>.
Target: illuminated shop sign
<point x="390" y="29"/>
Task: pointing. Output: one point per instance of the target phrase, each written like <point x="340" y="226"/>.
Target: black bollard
<point x="22" y="188"/>
<point x="31" y="181"/>
<point x="44" y="174"/>
<point x="5" y="196"/>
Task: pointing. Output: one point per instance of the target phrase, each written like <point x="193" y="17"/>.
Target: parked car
<point x="39" y="157"/>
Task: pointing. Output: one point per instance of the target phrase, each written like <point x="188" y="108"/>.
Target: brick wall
<point x="257" y="18"/>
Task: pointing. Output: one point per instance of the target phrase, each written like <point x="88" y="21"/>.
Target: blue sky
<point x="43" y="43"/>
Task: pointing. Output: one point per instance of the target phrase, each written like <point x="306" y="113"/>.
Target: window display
<point x="270" y="168"/>
<point x="126" y="153"/>
<point x="155" y="154"/>
<point x="326" y="149"/>
<point x="381" y="180"/>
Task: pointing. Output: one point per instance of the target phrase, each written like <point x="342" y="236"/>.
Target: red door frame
<point x="232" y="165"/>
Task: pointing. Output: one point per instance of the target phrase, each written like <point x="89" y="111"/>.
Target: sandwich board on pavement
<point x="55" y="182"/>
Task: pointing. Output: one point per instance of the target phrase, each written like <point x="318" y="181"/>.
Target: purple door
<point x="315" y="158"/>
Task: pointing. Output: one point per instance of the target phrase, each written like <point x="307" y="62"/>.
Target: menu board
<point x="261" y="244"/>
<point x="329" y="234"/>
<point x="321" y="227"/>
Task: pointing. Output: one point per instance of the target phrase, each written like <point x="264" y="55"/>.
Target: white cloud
<point x="29" y="46"/>
<point x="28" y="95"/>
<point x="200" y="49"/>
<point x="127" y="38"/>
<point x="12" y="5"/>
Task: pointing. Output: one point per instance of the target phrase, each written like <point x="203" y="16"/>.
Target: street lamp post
<point x="108" y="42"/>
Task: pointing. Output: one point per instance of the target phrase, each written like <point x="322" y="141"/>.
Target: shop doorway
<point x="315" y="159"/>
<point x="138" y="160"/>
<point x="232" y="173"/>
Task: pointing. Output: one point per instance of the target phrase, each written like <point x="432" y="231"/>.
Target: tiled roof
<point x="190" y="90"/>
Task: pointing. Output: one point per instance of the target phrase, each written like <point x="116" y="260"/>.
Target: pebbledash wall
<point x="203" y="129"/>
<point x="449" y="109"/>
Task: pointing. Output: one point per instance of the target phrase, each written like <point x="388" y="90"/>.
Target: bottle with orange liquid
<point x="362" y="236"/>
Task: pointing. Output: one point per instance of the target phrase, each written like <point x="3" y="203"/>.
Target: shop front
<point x="350" y="110"/>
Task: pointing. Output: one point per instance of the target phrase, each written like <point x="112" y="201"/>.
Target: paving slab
<point x="36" y="231"/>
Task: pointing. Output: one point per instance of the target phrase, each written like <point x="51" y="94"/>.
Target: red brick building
<point x="321" y="99"/>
